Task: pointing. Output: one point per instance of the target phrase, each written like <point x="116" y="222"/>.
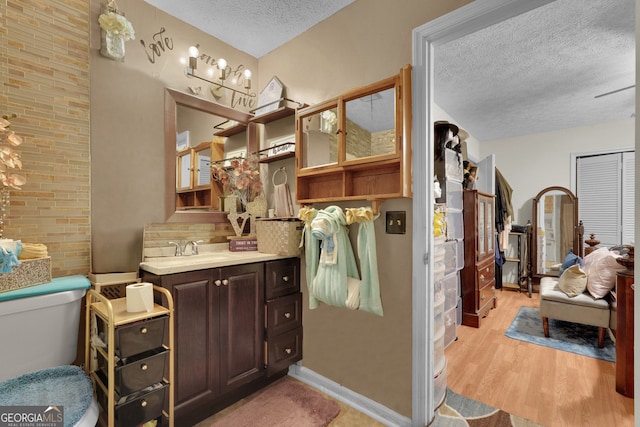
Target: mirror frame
<point x="577" y="237"/>
<point x="173" y="98"/>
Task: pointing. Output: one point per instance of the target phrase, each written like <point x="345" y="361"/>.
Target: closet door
<point x="605" y="191"/>
<point x="487" y="174"/>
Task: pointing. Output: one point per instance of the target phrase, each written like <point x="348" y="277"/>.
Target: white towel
<point x="282" y="201"/>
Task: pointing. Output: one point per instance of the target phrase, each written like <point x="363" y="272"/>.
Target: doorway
<point x="472" y="17"/>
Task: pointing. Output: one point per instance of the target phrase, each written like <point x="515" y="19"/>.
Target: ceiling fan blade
<point x="614" y="91"/>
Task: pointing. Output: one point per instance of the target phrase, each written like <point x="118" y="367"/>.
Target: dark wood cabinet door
<point x="241" y="325"/>
<point x="196" y="373"/>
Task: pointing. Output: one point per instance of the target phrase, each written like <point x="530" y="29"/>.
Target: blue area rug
<point x="565" y="336"/>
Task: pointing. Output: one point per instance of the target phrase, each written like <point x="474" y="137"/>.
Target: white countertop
<point x="218" y="258"/>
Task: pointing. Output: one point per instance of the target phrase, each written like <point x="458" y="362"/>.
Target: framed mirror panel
<point x="319" y="136"/>
<point x="191" y="125"/>
<point x="555" y="230"/>
<point x="370" y="122"/>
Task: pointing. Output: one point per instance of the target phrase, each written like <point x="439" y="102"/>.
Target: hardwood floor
<point x="550" y="387"/>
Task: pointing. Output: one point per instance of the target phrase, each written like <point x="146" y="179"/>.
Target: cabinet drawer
<point x="282" y="277"/>
<point x="137" y="410"/>
<point x="139" y="337"/>
<point x="486" y="294"/>
<point x="284" y="350"/>
<point x="138" y="372"/>
<point x="284" y="314"/>
<point x="486" y="274"/>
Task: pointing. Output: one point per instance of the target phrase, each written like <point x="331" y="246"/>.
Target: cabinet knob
<point x="143" y="403"/>
<point x="482" y="277"/>
<point x="143" y="330"/>
<point x="287" y="350"/>
<point x="482" y="297"/>
<point x="225" y="282"/>
<point x="285" y="278"/>
<point x="287" y="315"/>
<point x="144" y="366"/>
<point x="218" y="283"/>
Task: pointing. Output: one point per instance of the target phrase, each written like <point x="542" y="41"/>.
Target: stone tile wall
<point x="44" y="80"/>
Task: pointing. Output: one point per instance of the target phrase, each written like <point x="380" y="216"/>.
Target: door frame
<point x="472" y="17"/>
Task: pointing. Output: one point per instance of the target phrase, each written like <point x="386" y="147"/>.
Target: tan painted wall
<point x="127" y="135"/>
<point x="365" y="42"/>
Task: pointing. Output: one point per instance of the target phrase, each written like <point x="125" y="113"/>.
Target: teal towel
<point x="67" y="386"/>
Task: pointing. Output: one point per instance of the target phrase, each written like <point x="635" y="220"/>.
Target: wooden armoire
<point x="478" y="275"/>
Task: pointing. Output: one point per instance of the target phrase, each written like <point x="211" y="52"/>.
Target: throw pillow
<point x="569" y="260"/>
<point x="573" y="281"/>
<point x="601" y="268"/>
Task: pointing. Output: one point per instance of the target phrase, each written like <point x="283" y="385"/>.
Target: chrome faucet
<point x="194" y="246"/>
<point x="178" y="251"/>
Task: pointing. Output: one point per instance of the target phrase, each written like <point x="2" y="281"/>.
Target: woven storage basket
<point x="279" y="236"/>
<point x="30" y="272"/>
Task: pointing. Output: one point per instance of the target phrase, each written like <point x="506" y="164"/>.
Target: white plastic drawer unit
<point x="451" y="193"/>
<point x="450" y="326"/>
<point x="451" y="167"/>
<point x="451" y="287"/>
<point x="455" y="224"/>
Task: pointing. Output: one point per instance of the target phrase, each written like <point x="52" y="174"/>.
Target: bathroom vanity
<point x="238" y="325"/>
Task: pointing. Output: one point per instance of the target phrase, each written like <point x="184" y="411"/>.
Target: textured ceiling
<point x="537" y="72"/>
<point x="541" y="71"/>
<point x="254" y="26"/>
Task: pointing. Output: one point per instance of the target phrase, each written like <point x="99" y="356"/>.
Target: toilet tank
<point x="39" y="332"/>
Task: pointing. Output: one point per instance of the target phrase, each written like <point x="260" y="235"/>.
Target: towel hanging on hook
<point x="282" y="202"/>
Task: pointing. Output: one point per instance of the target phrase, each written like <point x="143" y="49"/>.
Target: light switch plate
<point x="396" y="222"/>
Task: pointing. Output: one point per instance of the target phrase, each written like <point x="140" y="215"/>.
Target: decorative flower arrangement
<point x="9" y="159"/>
<point x="241" y="178"/>
<point x="116" y="24"/>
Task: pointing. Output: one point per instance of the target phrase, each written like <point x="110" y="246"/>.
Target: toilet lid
<point x="63" y="386"/>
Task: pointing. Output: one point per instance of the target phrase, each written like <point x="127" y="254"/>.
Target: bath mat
<point x="565" y="336"/>
<point x="66" y="386"/>
<point x="286" y="403"/>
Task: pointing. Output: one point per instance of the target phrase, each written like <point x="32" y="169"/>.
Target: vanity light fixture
<point x="221" y="64"/>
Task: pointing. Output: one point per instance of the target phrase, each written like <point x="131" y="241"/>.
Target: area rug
<point x="565" y="336"/>
<point x="286" y="403"/>
<point x="460" y="411"/>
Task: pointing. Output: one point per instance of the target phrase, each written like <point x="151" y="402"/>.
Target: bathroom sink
<point x="178" y="264"/>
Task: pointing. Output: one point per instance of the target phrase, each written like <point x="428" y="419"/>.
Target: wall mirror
<point x="555" y="230"/>
<point x="371" y="124"/>
<point x="195" y="133"/>
<point x="319" y="136"/>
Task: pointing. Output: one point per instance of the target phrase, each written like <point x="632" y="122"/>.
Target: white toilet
<point x="38" y="340"/>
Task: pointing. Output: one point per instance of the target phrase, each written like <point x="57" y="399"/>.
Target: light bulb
<point x="247" y="79"/>
<point x="222" y="64"/>
<point x="194" y="52"/>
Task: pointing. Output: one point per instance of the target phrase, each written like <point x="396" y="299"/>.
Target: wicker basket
<point x="279" y="236"/>
<point x="30" y="272"/>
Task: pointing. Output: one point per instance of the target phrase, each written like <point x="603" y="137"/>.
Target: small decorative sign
<point x="270" y="97"/>
<point x="282" y="145"/>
